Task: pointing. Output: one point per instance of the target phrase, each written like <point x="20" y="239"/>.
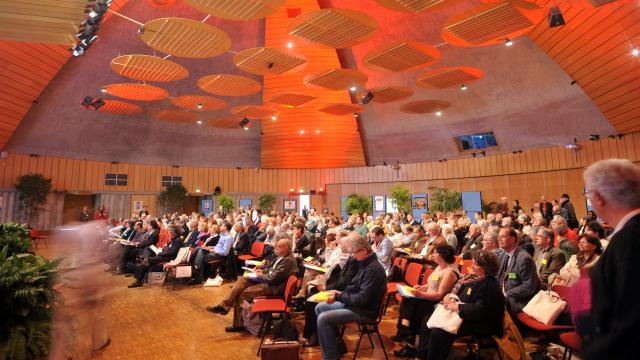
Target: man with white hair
<point x="613" y="186"/>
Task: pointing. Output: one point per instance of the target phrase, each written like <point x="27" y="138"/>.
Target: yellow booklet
<point x="322" y="296"/>
<point x="405" y="291"/>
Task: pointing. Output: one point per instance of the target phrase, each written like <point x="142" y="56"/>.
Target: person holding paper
<point x="382" y="247"/>
<point x="270" y="279"/>
<point x="209" y="253"/>
<point x="167" y="254"/>
<point x="142" y="248"/>
<point x="416" y="310"/>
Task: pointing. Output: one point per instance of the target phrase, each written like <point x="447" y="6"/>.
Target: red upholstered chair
<point x="466" y="266"/>
<point x="257" y="249"/>
<point x="370" y="327"/>
<point x="270" y="306"/>
<point x="425" y="280"/>
<point x="36" y="237"/>
<point x="571" y="342"/>
<point x="411" y="278"/>
<point x="534" y="324"/>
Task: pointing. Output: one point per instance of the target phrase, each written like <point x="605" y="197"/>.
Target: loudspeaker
<point x="555" y="17"/>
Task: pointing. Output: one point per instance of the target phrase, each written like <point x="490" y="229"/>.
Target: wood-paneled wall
<point x="49" y="217"/>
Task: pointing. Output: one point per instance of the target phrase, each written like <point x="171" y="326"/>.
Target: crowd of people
<point x="513" y="254"/>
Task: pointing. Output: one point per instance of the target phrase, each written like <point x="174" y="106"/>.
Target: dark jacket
<point x="548" y="262"/>
<point x="483" y="309"/>
<point x="546" y="208"/>
<point x="473" y="245"/>
<point x="191" y="238"/>
<point x="242" y="244"/>
<point x="572" y="220"/>
<point x="128" y="234"/>
<point x="153" y="238"/>
<point x="614" y="297"/>
<point x="341" y="277"/>
<point x="170" y="251"/>
<point x="364" y="293"/>
<point x="261" y="236"/>
<point x="211" y="240"/>
<point x="276" y="277"/>
<point x="523" y="284"/>
<point x="301" y="243"/>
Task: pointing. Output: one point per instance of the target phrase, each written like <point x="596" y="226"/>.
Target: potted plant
<point x="358" y="204"/>
<point x="226" y="202"/>
<point x="444" y="200"/>
<point x="173" y="198"/>
<point x="32" y="194"/>
<point x="266" y="201"/>
<point x="401" y="198"/>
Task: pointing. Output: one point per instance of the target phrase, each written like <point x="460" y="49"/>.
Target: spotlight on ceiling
<point x="244" y="123"/>
<point x="463" y="87"/>
<point x="355" y="115"/>
<point x="86" y="35"/>
<point x="289" y="44"/>
<point x="199" y="106"/>
<point x="367" y="98"/>
<point x="103" y="90"/>
<point x="317" y="131"/>
<point x="97" y="104"/>
<point x="301" y="132"/>
<point x="353" y="88"/>
<point x="86" y="101"/>
<point x="274" y="117"/>
<point x="635" y="52"/>
<point x="508" y="42"/>
<point x="594" y="137"/>
<point x="555" y="17"/>
<point x="438" y="113"/>
<point x="199" y="122"/>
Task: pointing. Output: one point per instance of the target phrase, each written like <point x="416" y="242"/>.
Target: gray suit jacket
<point x="276" y="277"/>
<point x="520" y="282"/>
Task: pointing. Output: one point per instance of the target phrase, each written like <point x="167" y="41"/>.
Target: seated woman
<point x="323" y="255"/>
<point x="589" y="251"/>
<point x="481" y="307"/>
<point x="414" y="310"/>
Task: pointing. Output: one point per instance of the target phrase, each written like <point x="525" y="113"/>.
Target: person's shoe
<point x="128" y="275"/>
<point x="402" y="334"/>
<point x="342" y="348"/>
<point x="135" y="284"/>
<point x="234" y="329"/>
<point x="218" y="310"/>
<point x="406" y="351"/>
<point x="312" y="342"/>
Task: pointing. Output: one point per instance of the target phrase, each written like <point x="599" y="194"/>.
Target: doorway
<point x="73" y="206"/>
<point x="305" y="200"/>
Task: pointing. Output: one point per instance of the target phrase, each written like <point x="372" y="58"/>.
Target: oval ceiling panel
<point x="120" y="107"/>
<point x="231" y="123"/>
<point x="229" y="85"/>
<point x="198" y="102"/>
<point x="148" y="68"/>
<point x="337" y="79"/>
<point x="334" y="28"/>
<point x="385" y="94"/>
<point x="424" y="106"/>
<point x="291" y="99"/>
<point x="415" y="6"/>
<point x="401" y="56"/>
<point x="341" y="109"/>
<point x="489" y="24"/>
<point x="253" y="111"/>
<point x="185" y="38"/>
<point x="449" y="77"/>
<point x="262" y="61"/>
<point x="237" y="9"/>
<point x="175" y="116"/>
<point x="140" y="92"/>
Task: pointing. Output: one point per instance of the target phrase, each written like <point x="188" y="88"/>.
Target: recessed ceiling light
<point x="635" y="52"/>
<point x="289" y="44"/>
<point x="301" y="131"/>
<point x="199" y="122"/>
<point x="356" y="115"/>
<point x="274" y="118"/>
<point x="438" y="113"/>
<point x="199" y="106"/>
<point x="317" y="131"/>
<point x="463" y="87"/>
<point x="103" y="90"/>
<point x="508" y="42"/>
<point x="352" y="89"/>
<point x="246" y="128"/>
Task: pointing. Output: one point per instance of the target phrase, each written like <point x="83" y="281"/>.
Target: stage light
<point x="355" y="115"/>
<point x="199" y="122"/>
<point x="317" y="131"/>
<point x="274" y="118"/>
<point x="463" y="87"/>
<point x="438" y="113"/>
<point x="246" y="128"/>
<point x="301" y="132"/>
<point x="289" y="44"/>
<point x="244" y="123"/>
<point x="86" y="101"/>
<point x="300" y="190"/>
<point x="97" y="104"/>
<point x="367" y="98"/>
<point x="199" y="106"/>
<point x="352" y="89"/>
<point x="555" y="17"/>
<point x="508" y="42"/>
<point x="103" y="90"/>
<point x="594" y="137"/>
<point x="635" y="52"/>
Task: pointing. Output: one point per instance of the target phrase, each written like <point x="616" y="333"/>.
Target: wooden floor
<point x="155" y="322"/>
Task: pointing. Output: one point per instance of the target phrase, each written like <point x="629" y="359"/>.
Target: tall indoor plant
<point x="444" y="200"/>
<point x="32" y="194"/>
<point x="401" y="198"/>
<point x="173" y="198"/>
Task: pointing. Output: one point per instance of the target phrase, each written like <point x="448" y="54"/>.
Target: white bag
<point x="156" y="277"/>
<point x="545" y="307"/>
<point x="183" y="272"/>
<point x="183" y="256"/>
<point x="444" y="319"/>
<point x="214" y="282"/>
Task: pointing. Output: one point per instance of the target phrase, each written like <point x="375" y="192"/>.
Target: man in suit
<point x="546" y="209"/>
<point x="241" y="243"/>
<point x="517" y="274"/>
<point x="271" y="280"/>
<point x="548" y="259"/>
<point x="141" y="248"/>
<point x="167" y="254"/>
<point x="473" y="241"/>
<point x="614" y="189"/>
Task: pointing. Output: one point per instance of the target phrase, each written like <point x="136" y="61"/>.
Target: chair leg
<point x="384" y="351"/>
<point x="570" y="354"/>
<point x="369" y="336"/>
<point x="45" y="243"/>
<point x="266" y="323"/>
<point x="344" y="327"/>
<point x="386" y="305"/>
<point x="355" y="355"/>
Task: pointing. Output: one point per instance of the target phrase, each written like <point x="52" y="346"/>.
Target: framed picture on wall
<point x="419" y="203"/>
<point x="289" y="205"/>
<point x="137" y="206"/>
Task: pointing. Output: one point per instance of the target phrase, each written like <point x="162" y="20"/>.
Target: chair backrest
<point x="563" y="291"/>
<point x="257" y="248"/>
<point x="425" y="276"/>
<point x="466" y="267"/>
<point x="381" y="308"/>
<point x="289" y="289"/>
<point x="33" y="232"/>
<point x="412" y="276"/>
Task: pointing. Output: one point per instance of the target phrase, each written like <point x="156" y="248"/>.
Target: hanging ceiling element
<point x="449" y="77"/>
<point x="237" y="9"/>
<point x="140" y="92"/>
<point x="198" y="102"/>
<point x="185" y="38"/>
<point x="148" y="68"/>
<point x="334" y="28"/>
<point x="337" y="79"/>
<point x="253" y="111"/>
<point x="489" y="24"/>
<point x="291" y="99"/>
<point x="229" y="85"/>
<point x="401" y="56"/>
<point x="386" y="94"/>
<point x="415" y="6"/>
<point x="262" y="61"/>
<point x="424" y="106"/>
<point x="341" y="109"/>
<point x="120" y="107"/>
<point x="231" y="123"/>
<point x="175" y="116"/>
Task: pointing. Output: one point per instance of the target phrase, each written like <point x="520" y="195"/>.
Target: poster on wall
<point x="206" y="206"/>
<point x="289" y="205"/>
<point x="391" y="208"/>
<point x="419" y="202"/>
<point x="137" y="206"/>
<point x="419" y="205"/>
<point x="378" y="203"/>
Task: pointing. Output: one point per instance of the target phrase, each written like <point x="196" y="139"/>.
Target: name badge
<point x="544" y="261"/>
<point x="461" y="261"/>
<point x="468" y="291"/>
<point x="512" y="275"/>
<point x="472" y="246"/>
<point x="435" y="277"/>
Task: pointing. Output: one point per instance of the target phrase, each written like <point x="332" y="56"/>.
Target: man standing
<point x="546" y="208"/>
<point x="517" y="274"/>
<point x="271" y="280"/>
<point x="614" y="189"/>
<point x="359" y="301"/>
<point x="566" y="204"/>
<point x="548" y="259"/>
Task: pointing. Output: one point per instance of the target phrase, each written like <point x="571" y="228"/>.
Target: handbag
<point x="281" y="350"/>
<point x="545" y="307"/>
<point x="252" y="322"/>
<point x="156" y="277"/>
<point x="444" y="319"/>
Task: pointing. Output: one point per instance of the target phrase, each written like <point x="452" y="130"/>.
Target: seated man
<point x="167" y="254"/>
<point x="209" y="253"/>
<point x="517" y="275"/>
<point x="359" y="301"/>
<point x="116" y="252"/>
<point x="548" y="259"/>
<point x="192" y="235"/>
<point x="272" y="280"/>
